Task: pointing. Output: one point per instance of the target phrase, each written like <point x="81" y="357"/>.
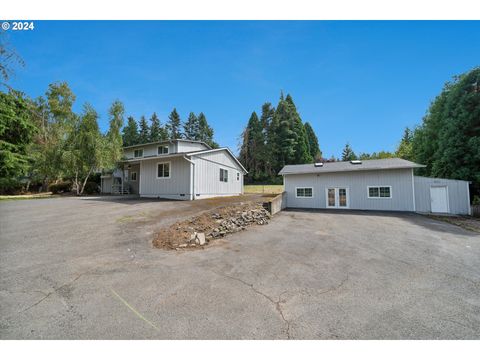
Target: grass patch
<point x="263" y="189"/>
<point x="28" y="197"/>
<point x="467" y="223"/>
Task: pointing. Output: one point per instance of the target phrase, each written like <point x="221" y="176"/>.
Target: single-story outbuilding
<point x="176" y="169"/>
<point x="385" y="184"/>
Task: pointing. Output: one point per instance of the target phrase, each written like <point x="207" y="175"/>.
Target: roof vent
<point x="319" y="164"/>
<point x="355" y="162"/>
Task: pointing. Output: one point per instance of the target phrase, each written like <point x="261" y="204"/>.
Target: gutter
<point x="193" y="176"/>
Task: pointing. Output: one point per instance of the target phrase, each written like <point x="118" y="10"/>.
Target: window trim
<point x="138" y="157"/>
<point x="163" y="146"/>
<point x="169" y="170"/>
<point x="220" y="175"/>
<point x="133" y="172"/>
<point x="303" y="197"/>
<point x="379" y="197"/>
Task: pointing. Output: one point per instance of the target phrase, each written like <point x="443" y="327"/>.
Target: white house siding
<point x="458" y="194"/>
<point x="357" y="182"/>
<point x="184" y="146"/>
<point x="149" y="150"/>
<point x="207" y="175"/>
<point x="175" y="187"/>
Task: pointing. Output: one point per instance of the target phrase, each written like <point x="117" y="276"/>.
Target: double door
<point x="337" y="197"/>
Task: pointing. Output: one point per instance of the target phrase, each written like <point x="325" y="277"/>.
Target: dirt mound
<point x="198" y="231"/>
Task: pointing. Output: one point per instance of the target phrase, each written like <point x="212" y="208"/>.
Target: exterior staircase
<point x="117" y="189"/>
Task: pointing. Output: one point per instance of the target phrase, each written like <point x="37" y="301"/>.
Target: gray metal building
<point x="176" y="169"/>
<point x="385" y="184"/>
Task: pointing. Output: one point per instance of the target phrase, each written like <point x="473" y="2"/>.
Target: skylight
<point x="355" y="162"/>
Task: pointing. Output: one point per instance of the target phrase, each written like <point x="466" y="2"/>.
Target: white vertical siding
<point x="107" y="185"/>
<point x="134" y="185"/>
<point x="176" y="187"/>
<point x="357" y="183"/>
<point x="207" y="175"/>
<point x="149" y="150"/>
<point x="458" y="196"/>
<point x="184" y="146"/>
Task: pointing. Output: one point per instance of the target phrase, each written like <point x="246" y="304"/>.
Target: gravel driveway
<point x="84" y="268"/>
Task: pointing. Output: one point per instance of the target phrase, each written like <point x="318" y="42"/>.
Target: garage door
<point x="439" y="199"/>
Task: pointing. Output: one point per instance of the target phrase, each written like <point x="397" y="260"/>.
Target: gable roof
<point x="200" y="152"/>
<point x="341" y="166"/>
<point x="168" y="141"/>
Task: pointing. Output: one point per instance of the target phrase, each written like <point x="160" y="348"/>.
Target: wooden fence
<point x="476" y="210"/>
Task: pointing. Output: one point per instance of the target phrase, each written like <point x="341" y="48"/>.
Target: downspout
<point x="413" y="191"/>
<point x="193" y="176"/>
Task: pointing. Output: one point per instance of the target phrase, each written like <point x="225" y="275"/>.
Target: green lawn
<point x="263" y="189"/>
<point x="27" y="197"/>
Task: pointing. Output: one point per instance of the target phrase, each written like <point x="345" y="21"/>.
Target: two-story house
<point x="176" y="169"/>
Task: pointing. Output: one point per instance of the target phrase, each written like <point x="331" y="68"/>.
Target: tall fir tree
<point x="130" y="132"/>
<point x="312" y="140"/>
<point x="174" y="125"/>
<point x="348" y="154"/>
<point x="144" y="133"/>
<point x="405" y="148"/>
<point x="302" y="153"/>
<point x="157" y="131"/>
<point x="265" y="149"/>
<point x="249" y="152"/>
<point x="191" y="127"/>
<point x="205" y="131"/>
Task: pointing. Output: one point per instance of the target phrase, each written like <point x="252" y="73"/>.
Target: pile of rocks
<point x="238" y="222"/>
<point x="196" y="232"/>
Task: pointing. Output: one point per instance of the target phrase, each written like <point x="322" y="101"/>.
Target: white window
<point x="138" y="153"/>
<point x="238" y="176"/>
<point x="163" y="149"/>
<point x="379" y="192"/>
<point x="163" y="170"/>
<point x="133" y="176"/>
<point x="304" y="192"/>
<point x="223" y="175"/>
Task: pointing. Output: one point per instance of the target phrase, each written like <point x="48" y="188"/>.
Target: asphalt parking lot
<point x="84" y="268"/>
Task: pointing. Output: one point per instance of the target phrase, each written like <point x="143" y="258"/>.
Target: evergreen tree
<point x="191" y="127"/>
<point x="130" y="132"/>
<point x="205" y="131"/>
<point x="448" y="141"/>
<point x="17" y="131"/>
<point x="267" y="162"/>
<point x="405" y="148"/>
<point x="302" y="154"/>
<point x="312" y="142"/>
<point x="348" y="154"/>
<point x="157" y="132"/>
<point x="144" y="133"/>
<point x="174" y="125"/>
<point x="252" y="141"/>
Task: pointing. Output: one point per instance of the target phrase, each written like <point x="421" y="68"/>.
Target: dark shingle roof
<point x="340" y="166"/>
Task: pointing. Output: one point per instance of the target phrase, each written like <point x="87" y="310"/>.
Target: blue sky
<point x="360" y="82"/>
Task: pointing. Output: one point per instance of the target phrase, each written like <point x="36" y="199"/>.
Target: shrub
<point x="60" y="187"/>
<point x="91" y="187"/>
<point x="476" y="200"/>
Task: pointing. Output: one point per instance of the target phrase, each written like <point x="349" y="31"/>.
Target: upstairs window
<point x="380" y="192"/>
<point x="163" y="170"/>
<point x="163" y="149"/>
<point x="138" y="153"/>
<point x="238" y="176"/>
<point x="223" y="175"/>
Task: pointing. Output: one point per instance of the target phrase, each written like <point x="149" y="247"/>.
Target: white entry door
<point x="439" y="199"/>
<point x="337" y="197"/>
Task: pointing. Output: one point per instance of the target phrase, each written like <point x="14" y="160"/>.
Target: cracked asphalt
<point x="84" y="268"/>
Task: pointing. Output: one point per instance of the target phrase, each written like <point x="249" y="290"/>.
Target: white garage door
<point x="439" y="199"/>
